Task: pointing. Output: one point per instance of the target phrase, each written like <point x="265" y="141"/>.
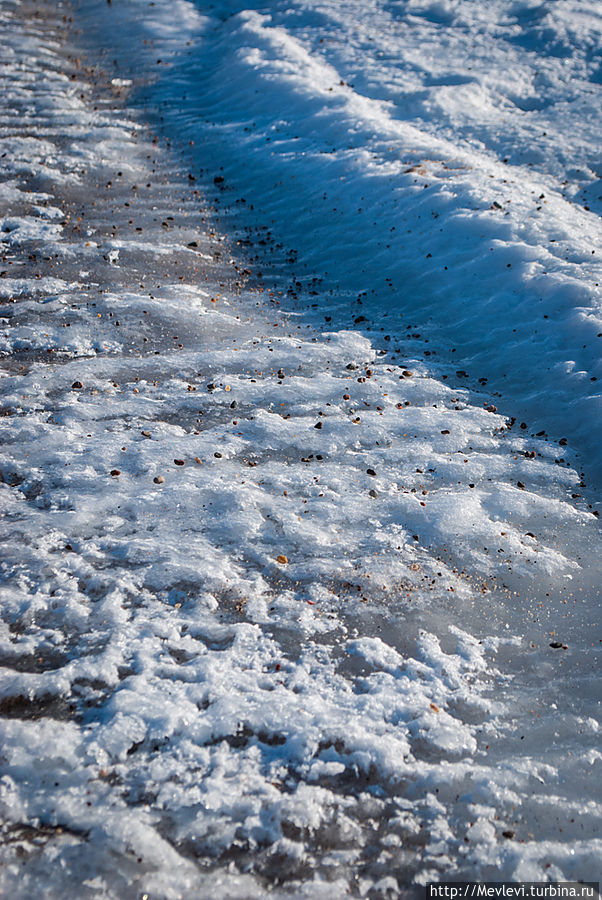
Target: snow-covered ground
<point x="438" y="159"/>
<point x="300" y="566"/>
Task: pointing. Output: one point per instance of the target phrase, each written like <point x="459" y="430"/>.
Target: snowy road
<point x="284" y="609"/>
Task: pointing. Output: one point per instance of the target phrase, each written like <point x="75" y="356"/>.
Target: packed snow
<point x="300" y="456"/>
<point x="436" y="159"/>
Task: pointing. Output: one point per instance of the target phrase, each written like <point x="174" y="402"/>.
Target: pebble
<point x="282" y="559"/>
<point x="179" y="462"/>
<point x="373" y="494"/>
<point x="115" y="472"/>
<point x="159" y="479"/>
<point x="370" y="472"/>
<point x="558" y="645"/>
<point x="76" y="386"/>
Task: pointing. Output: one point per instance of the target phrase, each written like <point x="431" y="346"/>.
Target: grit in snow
<point x="277" y="605"/>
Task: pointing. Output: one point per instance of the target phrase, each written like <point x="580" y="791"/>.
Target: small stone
<point x="406" y="373"/>
<point x="520" y="485"/>
<point x="179" y="462"/>
<point x="318" y="425"/>
<point x="145" y="434"/>
<point x="198" y="460"/>
<point x="373" y="494"/>
<point x="558" y="645"/>
<point x="563" y="442"/>
<point x="508" y="834"/>
<point x="282" y="559"/>
<point x="370" y="472"/>
<point x="159" y="479"/>
<point x="115" y="472"/>
<point x="76" y="386"/>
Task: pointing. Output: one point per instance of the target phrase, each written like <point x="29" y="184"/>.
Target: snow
<point x="465" y="196"/>
<point x="280" y="583"/>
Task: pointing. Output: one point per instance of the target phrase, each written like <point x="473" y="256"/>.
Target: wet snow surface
<point x="299" y="561"/>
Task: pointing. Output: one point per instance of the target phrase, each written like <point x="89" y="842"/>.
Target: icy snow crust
<point x="442" y="157"/>
<point x="277" y="602"/>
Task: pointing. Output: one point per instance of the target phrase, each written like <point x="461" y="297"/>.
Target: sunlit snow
<point x="300" y="463"/>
